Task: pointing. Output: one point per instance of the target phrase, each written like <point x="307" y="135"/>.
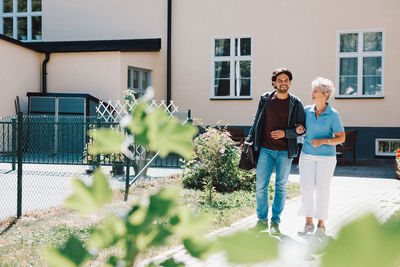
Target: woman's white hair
<point x="325" y="85"/>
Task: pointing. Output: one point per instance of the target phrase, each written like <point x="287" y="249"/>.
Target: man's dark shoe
<point x="260" y="226"/>
<point x="274" y="228"/>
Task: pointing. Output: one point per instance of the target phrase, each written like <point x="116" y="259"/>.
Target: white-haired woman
<point x="318" y="157"/>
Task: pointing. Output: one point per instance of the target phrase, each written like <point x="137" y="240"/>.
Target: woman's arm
<point x="333" y="141"/>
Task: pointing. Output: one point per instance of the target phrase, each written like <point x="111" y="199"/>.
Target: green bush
<point x="216" y="159"/>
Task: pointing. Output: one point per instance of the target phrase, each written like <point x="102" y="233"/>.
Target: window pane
<point x="372" y="85"/>
<point x="8" y="27"/>
<point x="222" y="47"/>
<point x="22" y="5"/>
<point x="394" y="145"/>
<point x="135" y="79"/>
<point x="242" y="87"/>
<point x="222" y="69"/>
<point x="372" y="66"/>
<point x="383" y="146"/>
<point x="237" y="53"/>
<point x="242" y="69"/>
<point x="348" y="42"/>
<point x="221" y="87"/>
<point x="348" y="66"/>
<point x="37" y="28"/>
<point x="245" y="46"/>
<point x="372" y="41"/>
<point x="348" y="85"/>
<point x="36" y="5"/>
<point x="7" y="6"/>
<point x="145" y="80"/>
<point x="129" y="79"/>
<point x="22" y="28"/>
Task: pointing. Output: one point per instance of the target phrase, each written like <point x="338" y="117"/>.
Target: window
<point x="360" y="58"/>
<point x="138" y="80"/>
<point x="231" y="68"/>
<point x="386" y="147"/>
<point x="21" y="19"/>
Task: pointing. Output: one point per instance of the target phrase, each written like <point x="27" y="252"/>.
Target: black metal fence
<point x="40" y="154"/>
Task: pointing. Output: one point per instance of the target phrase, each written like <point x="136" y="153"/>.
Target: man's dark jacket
<point x="296" y="116"/>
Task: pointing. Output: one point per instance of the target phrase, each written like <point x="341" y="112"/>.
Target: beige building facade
<point x="19" y="73"/>
<point x="223" y="53"/>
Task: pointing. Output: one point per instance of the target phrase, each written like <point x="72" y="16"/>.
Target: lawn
<point x="22" y="243"/>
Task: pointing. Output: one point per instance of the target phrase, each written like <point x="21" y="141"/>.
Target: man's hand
<point x="300" y="129"/>
<point x="278" y="134"/>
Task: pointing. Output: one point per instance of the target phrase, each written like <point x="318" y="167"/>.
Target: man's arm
<point x="250" y="135"/>
<point x="300" y="120"/>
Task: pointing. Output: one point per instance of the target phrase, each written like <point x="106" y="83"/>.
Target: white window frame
<point x="232" y="60"/>
<point x="141" y="71"/>
<point x="377" y="140"/>
<point x="359" y="55"/>
<point x="15" y="15"/>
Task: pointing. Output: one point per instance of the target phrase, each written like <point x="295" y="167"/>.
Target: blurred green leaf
<point x="167" y="134"/>
<point x="171" y="263"/>
<point x="109" y="234"/>
<point x="106" y="141"/>
<point x="163" y="202"/>
<point x="364" y="243"/>
<point x="161" y="238"/>
<point x="189" y="225"/>
<point x="137" y="124"/>
<point x="199" y="247"/>
<point x="87" y="199"/>
<point x="249" y="247"/>
<point x="71" y="255"/>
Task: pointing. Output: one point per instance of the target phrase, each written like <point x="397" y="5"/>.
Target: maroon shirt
<point x="277" y="114"/>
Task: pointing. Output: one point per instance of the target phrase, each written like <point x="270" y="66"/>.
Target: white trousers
<point x="315" y="178"/>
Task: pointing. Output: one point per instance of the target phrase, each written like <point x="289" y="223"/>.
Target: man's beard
<point x="282" y="90"/>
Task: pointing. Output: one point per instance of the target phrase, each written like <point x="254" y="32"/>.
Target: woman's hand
<point x="317" y="142"/>
<point x="300" y="129"/>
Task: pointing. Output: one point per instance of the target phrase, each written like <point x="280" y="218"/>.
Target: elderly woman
<point x="318" y="157"/>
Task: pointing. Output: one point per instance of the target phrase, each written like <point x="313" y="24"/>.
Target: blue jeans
<point x="267" y="160"/>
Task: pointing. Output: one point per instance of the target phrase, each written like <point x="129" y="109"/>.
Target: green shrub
<point x="216" y="158"/>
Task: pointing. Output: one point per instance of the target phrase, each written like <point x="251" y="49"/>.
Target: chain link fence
<point x="40" y="155"/>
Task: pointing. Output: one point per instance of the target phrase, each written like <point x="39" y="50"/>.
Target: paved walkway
<point x="355" y="190"/>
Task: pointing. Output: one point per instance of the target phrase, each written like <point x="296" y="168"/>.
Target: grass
<point x="23" y="243"/>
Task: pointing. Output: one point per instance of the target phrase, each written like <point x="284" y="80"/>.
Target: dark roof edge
<point x="124" y="45"/>
<point x="16" y="42"/>
<point x="29" y="94"/>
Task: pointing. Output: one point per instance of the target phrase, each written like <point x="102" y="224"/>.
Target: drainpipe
<point x="44" y="73"/>
<point x="169" y="52"/>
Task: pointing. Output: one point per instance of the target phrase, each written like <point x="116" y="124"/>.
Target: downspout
<point x="169" y="52"/>
<point x="44" y="73"/>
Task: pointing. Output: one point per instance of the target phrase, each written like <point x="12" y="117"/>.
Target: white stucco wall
<point x="75" y="20"/>
<point x="300" y="35"/>
<point x="19" y="74"/>
<point x="97" y="74"/>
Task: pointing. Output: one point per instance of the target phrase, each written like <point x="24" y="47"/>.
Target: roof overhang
<point x="124" y="45"/>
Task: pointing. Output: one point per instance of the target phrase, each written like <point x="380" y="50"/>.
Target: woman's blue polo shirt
<point x="324" y="126"/>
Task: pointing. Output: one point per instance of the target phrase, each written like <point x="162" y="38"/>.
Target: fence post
<point x="14" y="141"/>
<point x="189" y="115"/>
<point x="19" y="152"/>
<point x="128" y="161"/>
<point x="98" y="125"/>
